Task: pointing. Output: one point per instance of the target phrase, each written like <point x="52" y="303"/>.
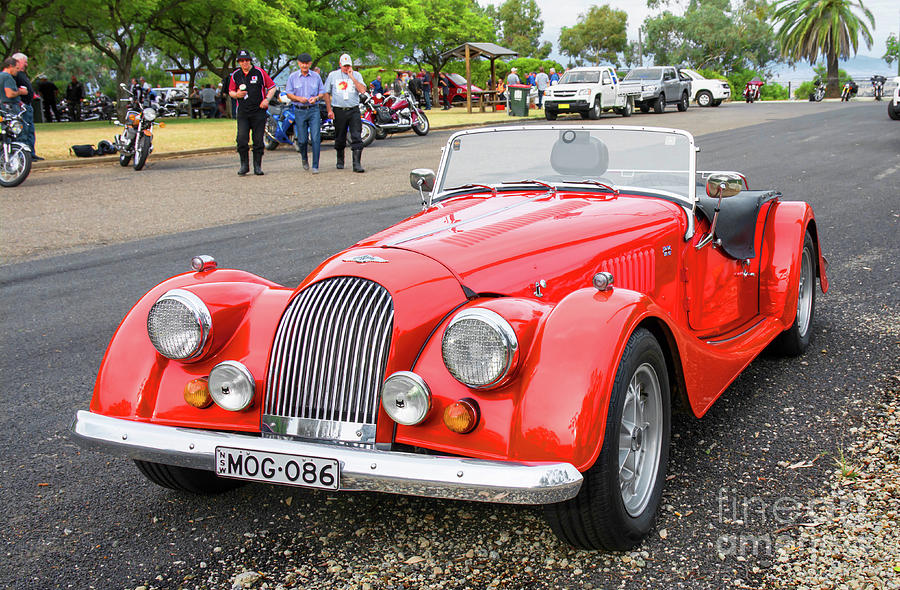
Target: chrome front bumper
<point x="362" y="469"/>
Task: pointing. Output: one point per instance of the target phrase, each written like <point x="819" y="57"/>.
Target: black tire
<point x="704" y="98"/>
<point x="684" y="103"/>
<point x="795" y="340"/>
<point x="551" y="115"/>
<point x="124" y="160"/>
<point x="628" y="109"/>
<point x="184" y="479"/>
<point x="596" y="110"/>
<point x="585" y="114"/>
<point x="271" y="143"/>
<point x="367" y="135"/>
<point x="716" y="103"/>
<point x="597" y="518"/>
<point x="659" y="106"/>
<point x="142" y="151"/>
<point x="422" y="128"/>
<point x="645" y="108"/>
<point x="893" y="113"/>
<point x="24" y="167"/>
<point x="380" y="133"/>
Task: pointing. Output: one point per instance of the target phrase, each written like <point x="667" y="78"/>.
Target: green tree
<point x="892" y="51"/>
<point x="713" y="34"/>
<point x="598" y="35"/>
<point x="519" y="27"/>
<point x="24" y="26"/>
<point x="828" y="27"/>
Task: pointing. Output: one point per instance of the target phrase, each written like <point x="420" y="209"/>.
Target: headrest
<point x="577" y="153"/>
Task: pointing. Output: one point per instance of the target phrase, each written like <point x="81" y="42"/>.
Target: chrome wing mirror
<point x="423" y="180"/>
<point x="720" y="185"/>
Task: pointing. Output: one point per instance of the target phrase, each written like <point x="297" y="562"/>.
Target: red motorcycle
<point x="394" y="114"/>
<point x="751" y="90"/>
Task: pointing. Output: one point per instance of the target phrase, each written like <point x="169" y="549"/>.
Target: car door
<point x="670" y="85"/>
<point x="607" y="89"/>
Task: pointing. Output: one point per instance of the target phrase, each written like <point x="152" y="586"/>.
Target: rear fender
<point x="780" y="256"/>
<point x="568" y="376"/>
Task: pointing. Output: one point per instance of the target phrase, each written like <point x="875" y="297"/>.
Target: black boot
<point x="245" y="164"/>
<point x="303" y="159"/>
<point x="257" y="164"/>
<point x="357" y="165"/>
<point x="340" y="160"/>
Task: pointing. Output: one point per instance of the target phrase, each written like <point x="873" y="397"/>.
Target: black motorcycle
<point x="878" y="86"/>
<point x="15" y="158"/>
<point x="135" y="142"/>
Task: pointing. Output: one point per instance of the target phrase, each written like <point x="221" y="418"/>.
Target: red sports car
<point x="523" y="339"/>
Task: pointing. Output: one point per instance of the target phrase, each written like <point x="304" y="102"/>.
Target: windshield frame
<point x="688" y="202"/>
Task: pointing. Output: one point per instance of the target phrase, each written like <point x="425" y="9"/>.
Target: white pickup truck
<point x="707" y="93"/>
<point x="588" y="91"/>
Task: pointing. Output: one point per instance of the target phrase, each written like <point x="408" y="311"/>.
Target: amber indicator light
<point x="196" y="393"/>
<point x="462" y="416"/>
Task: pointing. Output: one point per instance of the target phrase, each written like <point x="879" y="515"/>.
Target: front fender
<point x="781" y="252"/>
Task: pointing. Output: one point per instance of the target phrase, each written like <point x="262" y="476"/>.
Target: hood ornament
<point x="363" y="258"/>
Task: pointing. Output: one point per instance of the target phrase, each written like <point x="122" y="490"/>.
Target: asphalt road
<point x="79" y="519"/>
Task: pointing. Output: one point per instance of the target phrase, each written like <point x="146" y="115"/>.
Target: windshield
<point x="580" y="78"/>
<point x="644" y="74"/>
<point x="657" y="160"/>
<point x="457" y="78"/>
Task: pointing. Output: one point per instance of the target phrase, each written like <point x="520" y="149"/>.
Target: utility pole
<point x="640" y="48"/>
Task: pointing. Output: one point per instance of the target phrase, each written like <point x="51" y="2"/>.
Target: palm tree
<point x="829" y="27"/>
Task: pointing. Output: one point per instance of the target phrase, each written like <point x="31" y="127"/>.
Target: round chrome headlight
<point x="16" y="127"/>
<point x="179" y="324"/>
<point x="480" y="348"/>
<point x="231" y="386"/>
<point x="149" y="114"/>
<point x="406" y="398"/>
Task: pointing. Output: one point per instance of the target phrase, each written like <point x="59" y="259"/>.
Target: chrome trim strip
<point x="312" y="429"/>
<point x="361" y="468"/>
<point x="750" y="329"/>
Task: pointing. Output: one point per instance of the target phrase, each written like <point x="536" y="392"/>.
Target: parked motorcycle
<point x="15" y="158"/>
<point x="135" y="142"/>
<point x="751" y="90"/>
<point x="878" y="85"/>
<point x="280" y="125"/>
<point x="846" y="91"/>
<point x="98" y="109"/>
<point x="394" y="114"/>
<point x="818" y="92"/>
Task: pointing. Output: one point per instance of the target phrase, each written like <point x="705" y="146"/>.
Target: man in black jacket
<point x="74" y="95"/>
<point x="50" y="96"/>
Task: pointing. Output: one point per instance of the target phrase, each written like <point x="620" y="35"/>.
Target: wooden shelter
<point x="467" y="51"/>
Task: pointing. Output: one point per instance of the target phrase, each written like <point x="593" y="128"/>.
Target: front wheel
<point x="550" y="115"/>
<point x="596" y="110"/>
<point x="684" y="103"/>
<point x="367" y="135"/>
<point x="184" y="479"/>
<point x="142" y="151"/>
<point x="15" y="165"/>
<point x="422" y="126"/>
<point x="795" y="340"/>
<point x="704" y="98"/>
<point x="893" y="112"/>
<point x="616" y="506"/>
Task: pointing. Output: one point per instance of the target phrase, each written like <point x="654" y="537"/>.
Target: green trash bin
<point x="518" y="99"/>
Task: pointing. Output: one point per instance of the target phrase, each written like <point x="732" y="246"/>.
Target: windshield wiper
<point x="550" y="187"/>
<point x="493" y="189"/>
<point x="610" y="187"/>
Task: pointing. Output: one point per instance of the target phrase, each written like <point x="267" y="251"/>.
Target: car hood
<point x="505" y="244"/>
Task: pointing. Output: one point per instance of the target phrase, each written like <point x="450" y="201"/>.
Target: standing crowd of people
<point x="540" y="80"/>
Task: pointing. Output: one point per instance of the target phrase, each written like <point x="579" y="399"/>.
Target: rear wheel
<point x="184" y="479"/>
<point x="124" y="160"/>
<point x="660" y="105"/>
<point x="893" y="113"/>
<point x="617" y="504"/>
<point x="380" y="133"/>
<point x="142" y="151"/>
<point x="684" y="103"/>
<point x="704" y="98"/>
<point x="795" y="340"/>
<point x="271" y="142"/>
<point x="628" y="109"/>
<point x="645" y="108"/>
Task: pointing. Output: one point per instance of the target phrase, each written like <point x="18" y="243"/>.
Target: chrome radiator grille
<point x="328" y="361"/>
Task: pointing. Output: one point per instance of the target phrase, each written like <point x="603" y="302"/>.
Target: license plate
<point x="293" y="470"/>
<point x="562" y="106"/>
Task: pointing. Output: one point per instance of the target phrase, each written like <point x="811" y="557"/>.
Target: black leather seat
<point x="736" y="225"/>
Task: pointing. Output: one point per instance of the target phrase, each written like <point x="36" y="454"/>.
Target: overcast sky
<point x="564" y="13"/>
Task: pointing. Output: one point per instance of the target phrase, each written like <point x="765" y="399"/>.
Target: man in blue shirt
<point x="305" y="89"/>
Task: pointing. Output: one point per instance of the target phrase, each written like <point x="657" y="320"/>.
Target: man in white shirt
<point x="542" y="81"/>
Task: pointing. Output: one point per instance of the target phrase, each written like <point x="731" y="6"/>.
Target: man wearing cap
<point x="342" y="89"/>
<point x="513" y="77"/>
<point x="305" y="89"/>
<point x="252" y="88"/>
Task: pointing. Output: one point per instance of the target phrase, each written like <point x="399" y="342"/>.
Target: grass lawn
<point x="181" y="134"/>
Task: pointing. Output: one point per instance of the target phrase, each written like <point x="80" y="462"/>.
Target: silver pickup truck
<point x="659" y="86"/>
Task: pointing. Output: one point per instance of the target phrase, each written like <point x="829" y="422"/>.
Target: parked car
<point x="658" y="86"/>
<point x="521" y="340"/>
<point x="457" y="85"/>
<point x="707" y="93"/>
<point x="588" y="91"/>
<point x="894" y="104"/>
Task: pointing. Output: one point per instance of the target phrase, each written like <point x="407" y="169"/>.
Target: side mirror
<point x="423" y="180"/>
<point x="724" y="185"/>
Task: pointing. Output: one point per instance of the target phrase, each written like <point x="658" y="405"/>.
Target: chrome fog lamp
<point x="231" y="386"/>
<point x="480" y="348"/>
<point x="406" y="398"/>
<point x="179" y="324"/>
<point x="149" y="114"/>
